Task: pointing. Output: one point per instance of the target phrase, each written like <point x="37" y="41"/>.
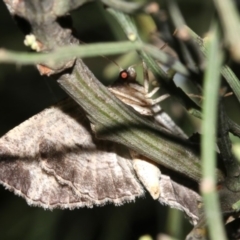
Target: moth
<point x="54" y="160"/>
<point x="140" y="98"/>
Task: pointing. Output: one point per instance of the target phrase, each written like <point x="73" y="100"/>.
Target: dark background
<point x="23" y="93"/>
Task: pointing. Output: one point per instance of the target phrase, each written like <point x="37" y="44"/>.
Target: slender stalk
<point x="208" y="185"/>
<point x="166" y="59"/>
<point x="127" y="7"/>
<point x="174" y="223"/>
<point x="226" y="72"/>
<point x="68" y="52"/>
<point x="229" y="18"/>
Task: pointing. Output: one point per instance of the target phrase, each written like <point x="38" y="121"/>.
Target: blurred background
<point x="23" y="93"/>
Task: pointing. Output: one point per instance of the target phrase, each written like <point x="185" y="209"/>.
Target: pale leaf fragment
<point x="148" y="173"/>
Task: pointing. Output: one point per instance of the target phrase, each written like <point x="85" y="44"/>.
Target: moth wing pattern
<point x="54" y="161"/>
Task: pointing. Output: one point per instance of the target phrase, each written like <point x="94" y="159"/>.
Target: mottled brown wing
<point x="53" y="160"/>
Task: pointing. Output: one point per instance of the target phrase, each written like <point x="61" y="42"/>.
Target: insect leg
<point x="159" y="115"/>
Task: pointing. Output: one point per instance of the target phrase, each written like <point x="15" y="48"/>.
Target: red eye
<point x="123" y="74"/>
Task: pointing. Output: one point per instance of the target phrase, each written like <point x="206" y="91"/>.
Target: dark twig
<point x="234" y="128"/>
<point x="225" y="145"/>
<point x="190" y="48"/>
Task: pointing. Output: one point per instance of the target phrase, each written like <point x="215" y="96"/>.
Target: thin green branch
<point x="127" y="7"/>
<point x="226" y="72"/>
<point x="232" y="80"/>
<point x="65" y="53"/>
<point x="166" y="59"/>
<point x="229" y="17"/>
<point x="210" y="102"/>
<point x="195" y="113"/>
<point x="189" y="50"/>
<point x="175" y="13"/>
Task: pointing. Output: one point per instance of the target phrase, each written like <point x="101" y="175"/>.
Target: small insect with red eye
<point x="128" y="90"/>
<point x="128" y="74"/>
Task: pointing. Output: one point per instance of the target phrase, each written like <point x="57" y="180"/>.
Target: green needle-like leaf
<point x="210" y="106"/>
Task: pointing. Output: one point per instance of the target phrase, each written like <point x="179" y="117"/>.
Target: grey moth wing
<point x="54" y="161"/>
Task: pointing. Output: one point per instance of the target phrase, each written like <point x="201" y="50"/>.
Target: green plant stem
<point x="211" y="88"/>
<point x="127" y="7"/>
<point x="229" y="18"/>
<point x="226" y="72"/>
<point x="195" y="113"/>
<point x="189" y="50"/>
<point x="166" y="59"/>
<point x="68" y="52"/>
